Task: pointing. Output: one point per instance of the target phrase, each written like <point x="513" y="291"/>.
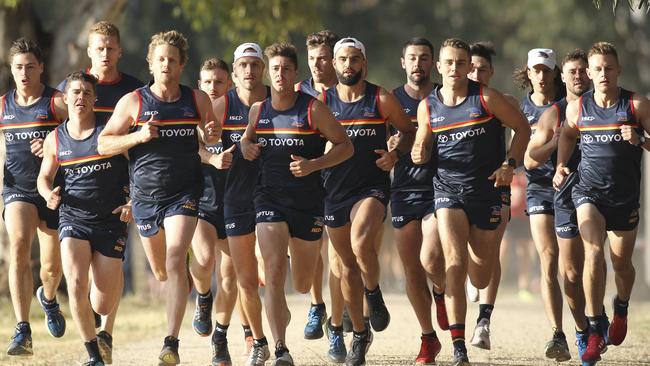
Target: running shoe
<point x="220" y="354"/>
<point x="315" y="320"/>
<point x="481" y="336"/>
<point x="21" y="341"/>
<point x="282" y="356"/>
<point x="472" y="292"/>
<point x="98" y="320"/>
<point x="359" y="348"/>
<point x="202" y="322"/>
<point x="617" y="330"/>
<point x="581" y="343"/>
<point x="259" y="354"/>
<point x="337" y="351"/>
<point x="248" y="345"/>
<point x="460" y="358"/>
<point x="169" y="353"/>
<point x="105" y="343"/>
<point x="557" y="348"/>
<point x="429" y="349"/>
<point x="347" y="321"/>
<point x="595" y="346"/>
<point x="54" y="319"/>
<point x="379" y="315"/>
<point x="441" y="312"/>
<point x="93" y="362"/>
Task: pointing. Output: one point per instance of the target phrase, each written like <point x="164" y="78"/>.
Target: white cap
<point x="349" y="42"/>
<point x="248" y="49"/>
<point x="541" y="56"/>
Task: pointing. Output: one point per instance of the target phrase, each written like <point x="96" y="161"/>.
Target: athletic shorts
<point x="566" y="220"/>
<point x="485" y="214"/>
<point x="303" y="224"/>
<point x="621" y="218"/>
<point x="539" y="202"/>
<point x="337" y="214"/>
<point x="239" y="219"/>
<point x="107" y="238"/>
<point x="407" y="206"/>
<point x="215" y="219"/>
<point x="150" y="216"/>
<point x="51" y="217"/>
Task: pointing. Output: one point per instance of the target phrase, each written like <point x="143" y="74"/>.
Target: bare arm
<point x="341" y="146"/>
<point x="544" y="141"/>
<point x="209" y="127"/>
<point x="60" y="108"/>
<point x="49" y="167"/>
<point x="511" y="117"/>
<point x="250" y="148"/>
<point x="642" y="114"/>
<point x="394" y="114"/>
<point x="566" y="144"/>
<point x="422" y="147"/>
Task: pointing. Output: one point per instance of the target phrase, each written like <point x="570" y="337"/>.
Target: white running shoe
<point x="481" y="337"/>
<point x="472" y="292"/>
<point x="258" y="356"/>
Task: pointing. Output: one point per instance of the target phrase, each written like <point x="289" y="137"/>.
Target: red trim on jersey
<point x="2" y="106"/>
<point x="52" y="107"/>
<point x="579" y="112"/>
<point x="480" y="92"/>
<point x="225" y="110"/>
<point x="324" y="94"/>
<point x="558" y="124"/>
<point x="56" y="145"/>
<point x="381" y="113"/>
<point x="137" y="116"/>
<point x="196" y="106"/>
<point x="311" y="102"/>
<point x="428" y="116"/>
<point x="632" y="104"/>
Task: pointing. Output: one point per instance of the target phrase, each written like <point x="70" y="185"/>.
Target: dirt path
<point x="519" y="332"/>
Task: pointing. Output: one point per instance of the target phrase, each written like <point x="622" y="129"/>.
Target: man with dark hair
<point x="611" y="123"/>
<point x="28" y="114"/>
<point x="412" y="211"/>
<point x="93" y="209"/>
<point x="157" y="125"/>
<point x="320" y="52"/>
<point x="287" y="134"/>
<point x="467" y="201"/>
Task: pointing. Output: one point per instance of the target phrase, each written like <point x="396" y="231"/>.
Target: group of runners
<point x="245" y="175"/>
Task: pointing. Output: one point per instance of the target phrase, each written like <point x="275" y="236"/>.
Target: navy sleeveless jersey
<point x="283" y="133"/>
<point x="563" y="196"/>
<point x="307" y="86"/>
<point x="610" y="167"/>
<point x="467" y="138"/>
<point x="109" y="93"/>
<point x="241" y="177"/>
<point x="541" y="178"/>
<point x="20" y="125"/>
<point x="213" y="180"/>
<point x="168" y="165"/>
<point x="407" y="176"/>
<point x="366" y="128"/>
<point x="95" y="184"/>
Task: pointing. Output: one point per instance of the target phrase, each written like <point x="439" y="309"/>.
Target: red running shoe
<point x="429" y="349"/>
<point x="441" y="313"/>
<point x="595" y="346"/>
<point x="617" y="329"/>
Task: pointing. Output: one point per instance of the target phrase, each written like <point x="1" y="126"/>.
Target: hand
<point x="387" y="160"/>
<point x="630" y="135"/>
<point x="561" y="173"/>
<point x="250" y="150"/>
<point x="418" y="153"/>
<point x="300" y="167"/>
<point x="224" y="160"/>
<point x="36" y="145"/>
<point x="211" y="129"/>
<point x="54" y="200"/>
<point x="149" y="130"/>
<point x="503" y="175"/>
<point x="125" y="212"/>
<point x="394" y="140"/>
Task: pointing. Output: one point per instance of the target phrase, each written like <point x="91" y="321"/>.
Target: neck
<point x="283" y="100"/>
<point x="168" y="92"/>
<point x="326" y="84"/>
<point x="541" y="99"/>
<point x="248" y="97"/>
<point x="418" y="92"/>
<point x="81" y="126"/>
<point x="570" y="96"/>
<point x="105" y="75"/>
<point x="607" y="98"/>
<point x="27" y="95"/>
<point x="351" y="93"/>
<point x="454" y="94"/>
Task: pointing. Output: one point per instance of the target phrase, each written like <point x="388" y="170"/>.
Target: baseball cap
<point x="248" y="49"/>
<point x="541" y="56"/>
<point x="350" y="42"/>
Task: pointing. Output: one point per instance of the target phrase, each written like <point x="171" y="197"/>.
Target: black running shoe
<point x="54" y="319"/>
<point x="220" y="354"/>
<point x="202" y="322"/>
<point x="347" y="321"/>
<point x="315" y="319"/>
<point x="93" y="362"/>
<point x="358" y="348"/>
<point x="379" y="315"/>
<point x="105" y="344"/>
<point x="460" y="358"/>
<point x="21" y="342"/>
<point x="169" y="353"/>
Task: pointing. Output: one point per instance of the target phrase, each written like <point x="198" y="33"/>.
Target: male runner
<point x="611" y="122"/>
<point x="287" y="133"/>
<point x="239" y="212"/>
<point x="412" y="208"/>
<point x="93" y="203"/>
<point x="357" y="190"/>
<point x="157" y="124"/>
<point x="27" y="114"/>
<point x="464" y="116"/>
<point x="104" y="51"/>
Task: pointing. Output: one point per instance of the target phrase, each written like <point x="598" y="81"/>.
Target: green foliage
<point x="9" y="3"/>
<point x="639" y="4"/>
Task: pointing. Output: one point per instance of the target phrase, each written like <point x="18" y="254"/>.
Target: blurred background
<point x="215" y="28"/>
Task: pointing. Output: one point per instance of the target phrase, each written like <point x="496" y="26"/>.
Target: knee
<point x="302" y="285"/>
<point x="572" y="275"/>
<point x="51" y="270"/>
<point x="229" y="284"/>
<point x="77" y="287"/>
<point x="102" y="308"/>
<point x="622" y="265"/>
<point x="594" y="253"/>
<point x="480" y="282"/>
<point x="160" y="274"/>
<point x="248" y="284"/>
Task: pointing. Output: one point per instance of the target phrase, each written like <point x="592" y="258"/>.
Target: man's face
<point x="417" y="62"/>
<point x="320" y="60"/>
<point x="248" y="71"/>
<point x="574" y="75"/>
<point x="26" y="70"/>
<point x="283" y="73"/>
<point x="482" y="70"/>
<point x="604" y="71"/>
<point x="349" y="64"/>
<point x="541" y="78"/>
<point x="104" y="51"/>
<point x="214" y="82"/>
<point x="165" y="64"/>
<point x="80" y="97"/>
<point x="454" y="65"/>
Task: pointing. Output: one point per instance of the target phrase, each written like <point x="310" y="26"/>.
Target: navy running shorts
<point x="485" y="214"/>
<point x="149" y="216"/>
<point x="406" y="206"/>
<point x="539" y="202"/>
<point x="337" y="214"/>
<point x="239" y="219"/>
<point x="12" y="194"/>
<point x="621" y="218"/>
<point x="107" y="238"/>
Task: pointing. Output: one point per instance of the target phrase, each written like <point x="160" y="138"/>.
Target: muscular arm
<point x="544" y="141"/>
<point x="250" y="149"/>
<point x="511" y="117"/>
<point x="642" y="108"/>
<point x="422" y="147"/>
<point x="394" y="114"/>
<point x="60" y="108"/>
<point x="115" y="138"/>
<point x="342" y="148"/>
<point x="213" y="132"/>
<point x="568" y="135"/>
<point x="49" y="166"/>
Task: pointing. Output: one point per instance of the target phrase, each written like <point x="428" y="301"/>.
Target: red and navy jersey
<point x="214" y="180"/>
<point x="241" y="177"/>
<point x="408" y="176"/>
<point x="109" y="93"/>
<point x="365" y="125"/>
<point x="467" y="137"/>
<point x="610" y="167"/>
<point x="168" y="165"/>
<point x="541" y="178"/>
<point x="95" y="184"/>
<point x="21" y="125"/>
<point x="307" y="86"/>
<point x="286" y="133"/>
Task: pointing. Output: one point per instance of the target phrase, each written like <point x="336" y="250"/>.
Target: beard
<point x="418" y="80"/>
<point x="349" y="80"/>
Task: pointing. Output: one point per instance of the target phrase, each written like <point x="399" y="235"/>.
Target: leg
<point x="336" y="294"/>
<point x="592" y="228"/>
<point x="488" y="295"/>
<point x="621" y="244"/>
<point x="77" y="256"/>
<point x="366" y="218"/>
<point x="51" y="271"/>
<point x="572" y="256"/>
<point x="432" y="257"/>
<point x="201" y="269"/>
<point x="317" y="315"/>
<point x="316" y="290"/>
<point x="227" y="280"/>
<point x="156" y="252"/>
